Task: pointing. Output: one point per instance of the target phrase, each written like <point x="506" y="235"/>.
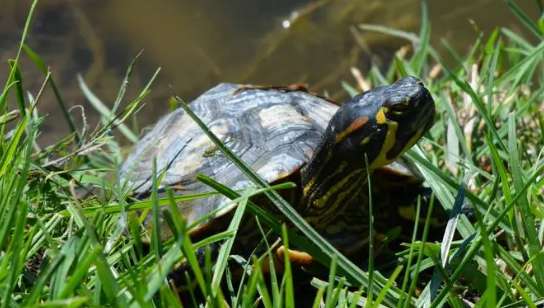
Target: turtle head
<point x="377" y="125"/>
<point x="381" y="123"/>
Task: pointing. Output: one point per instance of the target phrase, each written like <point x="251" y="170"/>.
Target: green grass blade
<point x="422" y="49"/>
<point x="40" y="64"/>
<point x="10" y="78"/>
<point x="287" y="273"/>
<point x="226" y="248"/>
<point x="389" y="284"/>
<point x="524" y="19"/>
<point x="526" y="212"/>
<point x="105" y="111"/>
<point x="18" y="80"/>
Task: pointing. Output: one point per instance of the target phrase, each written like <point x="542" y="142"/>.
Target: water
<point x="201" y="43"/>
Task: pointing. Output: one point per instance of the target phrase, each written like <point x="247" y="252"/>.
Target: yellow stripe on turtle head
<point x="380" y="115"/>
<point x="388" y="142"/>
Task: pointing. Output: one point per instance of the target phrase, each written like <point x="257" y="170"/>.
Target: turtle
<point x="289" y="133"/>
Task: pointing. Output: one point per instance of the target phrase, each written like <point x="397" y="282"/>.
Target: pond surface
<point x="201" y="43"/>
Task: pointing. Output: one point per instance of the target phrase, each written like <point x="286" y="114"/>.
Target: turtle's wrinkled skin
<point x="282" y="133"/>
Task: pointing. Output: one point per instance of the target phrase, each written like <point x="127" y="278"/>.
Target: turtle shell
<point x="275" y="131"/>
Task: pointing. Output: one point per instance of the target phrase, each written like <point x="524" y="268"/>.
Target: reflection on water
<point x="201" y="43"/>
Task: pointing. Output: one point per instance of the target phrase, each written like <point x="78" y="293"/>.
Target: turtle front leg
<point x="297" y="257"/>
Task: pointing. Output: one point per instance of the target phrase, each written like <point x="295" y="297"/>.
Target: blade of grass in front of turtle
<point x="353" y="272"/>
<point x="276" y="294"/>
<point x="287" y="273"/>
<point x="215" y="238"/>
<point x="236" y="197"/>
<point x="370" y="237"/>
<point x="319" y="297"/>
<point x="156" y="243"/>
<point x="114" y="208"/>
<point x="337" y="298"/>
<point x="388" y="285"/>
<point x="268" y="218"/>
<point x="410" y="254"/>
<point x="250" y="289"/>
<point x="451" y="226"/>
<point x="226" y="248"/>
<point x="261" y="286"/>
<point x="420" y="252"/>
<point x="179" y="229"/>
<point x="247" y="270"/>
<point x="330" y="284"/>
<point x="161" y="268"/>
<point x="354" y="298"/>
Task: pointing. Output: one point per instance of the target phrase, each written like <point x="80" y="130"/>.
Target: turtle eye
<point x="401" y="106"/>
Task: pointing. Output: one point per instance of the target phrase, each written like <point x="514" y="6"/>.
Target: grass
<point x="63" y="238"/>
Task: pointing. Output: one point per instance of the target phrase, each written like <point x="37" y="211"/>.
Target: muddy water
<point x="201" y="43"/>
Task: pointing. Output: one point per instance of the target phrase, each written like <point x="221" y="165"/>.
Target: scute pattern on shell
<point x="273" y="131"/>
